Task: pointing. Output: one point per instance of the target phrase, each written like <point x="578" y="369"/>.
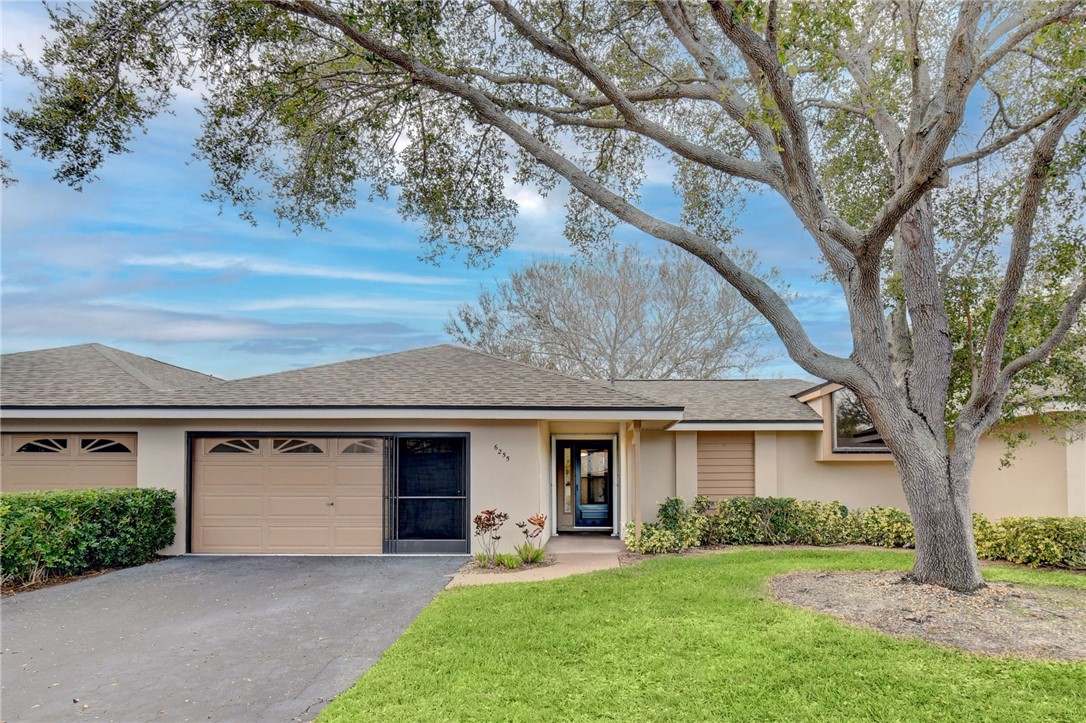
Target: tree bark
<point x="938" y="497"/>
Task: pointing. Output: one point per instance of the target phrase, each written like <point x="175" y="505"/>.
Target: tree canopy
<point x="933" y="152"/>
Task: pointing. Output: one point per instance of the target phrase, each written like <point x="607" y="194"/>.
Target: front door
<point x="584" y="469"/>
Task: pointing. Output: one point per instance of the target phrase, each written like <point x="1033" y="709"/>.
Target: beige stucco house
<point x="395" y="454"/>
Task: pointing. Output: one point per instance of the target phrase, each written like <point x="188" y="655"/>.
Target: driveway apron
<point x="202" y="638"/>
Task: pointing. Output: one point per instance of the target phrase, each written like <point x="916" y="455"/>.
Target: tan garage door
<point x="58" y="461"/>
<point x="287" y="494"/>
<point x="726" y="464"/>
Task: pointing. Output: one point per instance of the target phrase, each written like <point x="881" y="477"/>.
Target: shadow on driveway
<point x="209" y="638"/>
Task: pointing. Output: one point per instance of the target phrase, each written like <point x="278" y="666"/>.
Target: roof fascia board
<point x="336" y="413"/>
<point x="815" y="392"/>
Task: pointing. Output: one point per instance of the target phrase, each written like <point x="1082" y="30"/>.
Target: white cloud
<point x="269" y="267"/>
<point x="388" y="306"/>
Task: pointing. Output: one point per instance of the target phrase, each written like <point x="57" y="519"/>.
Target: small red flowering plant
<point x="487" y="524"/>
<point x="532" y="528"/>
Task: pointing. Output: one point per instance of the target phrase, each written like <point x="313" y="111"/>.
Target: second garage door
<point x="288" y="494"/>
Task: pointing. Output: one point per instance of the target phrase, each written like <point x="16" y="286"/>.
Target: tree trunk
<point x="946" y="553"/>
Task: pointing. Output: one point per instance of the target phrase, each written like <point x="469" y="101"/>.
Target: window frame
<point x="835" y="448"/>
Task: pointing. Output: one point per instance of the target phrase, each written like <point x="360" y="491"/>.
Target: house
<point x="394" y="454"/>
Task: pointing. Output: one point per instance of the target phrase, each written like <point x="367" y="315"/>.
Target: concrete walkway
<point x="574" y="553"/>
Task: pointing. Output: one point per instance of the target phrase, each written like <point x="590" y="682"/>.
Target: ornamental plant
<point x="487" y="524"/>
<point x="532" y="528"/>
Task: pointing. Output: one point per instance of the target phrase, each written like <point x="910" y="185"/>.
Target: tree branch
<point x="752" y="288"/>
<point x="1004" y="141"/>
<point x="1025" y="30"/>
<point x="1018" y="262"/>
<point x="635" y="120"/>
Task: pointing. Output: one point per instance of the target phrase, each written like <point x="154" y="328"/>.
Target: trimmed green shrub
<point x="823" y="523"/>
<point x="885" y="527"/>
<point x="1033" y="541"/>
<point x="755" y="521"/>
<point x="653" y="539"/>
<point x="67" y="532"/>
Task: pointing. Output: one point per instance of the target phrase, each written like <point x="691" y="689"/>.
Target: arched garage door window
<point x="428" y="501"/>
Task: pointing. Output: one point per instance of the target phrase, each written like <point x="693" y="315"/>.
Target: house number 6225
<point x="501" y="452"/>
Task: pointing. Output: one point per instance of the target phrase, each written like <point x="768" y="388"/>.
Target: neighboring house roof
<point x="90" y="375"/>
<point x="729" y="400"/>
<point x="437" y="377"/>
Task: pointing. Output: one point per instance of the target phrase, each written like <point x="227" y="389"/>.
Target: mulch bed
<point x="473" y="568"/>
<point x="1000" y="619"/>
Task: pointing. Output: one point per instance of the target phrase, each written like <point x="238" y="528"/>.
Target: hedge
<point x="1033" y="541"/>
<point x="67" y="532"/>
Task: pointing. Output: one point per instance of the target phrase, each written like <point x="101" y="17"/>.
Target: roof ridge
<point x="113" y="355"/>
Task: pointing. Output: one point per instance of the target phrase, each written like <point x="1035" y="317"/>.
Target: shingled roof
<point x="436" y="377"/>
<point x="90" y="375"/>
<point x="729" y="400"/>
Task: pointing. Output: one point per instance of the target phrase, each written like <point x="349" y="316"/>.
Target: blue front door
<point x="591" y="462"/>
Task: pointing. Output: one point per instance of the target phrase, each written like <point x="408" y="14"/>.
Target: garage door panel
<point x="285" y="506"/>
<point x="370" y="479"/>
<point x="280" y="475"/>
<point x="229" y="538"/>
<point x="25" y="478"/>
<point x="359" y="540"/>
<point x="212" y="506"/>
<point x="230" y="475"/>
<point x="298" y="538"/>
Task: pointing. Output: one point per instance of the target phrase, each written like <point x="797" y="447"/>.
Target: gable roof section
<point x="736" y="402"/>
<point x="90" y="375"/>
<point x="436" y="377"/>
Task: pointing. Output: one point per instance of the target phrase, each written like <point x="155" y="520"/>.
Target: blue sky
<point x="139" y="261"/>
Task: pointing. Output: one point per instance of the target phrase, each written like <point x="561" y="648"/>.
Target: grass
<point x="692" y="639"/>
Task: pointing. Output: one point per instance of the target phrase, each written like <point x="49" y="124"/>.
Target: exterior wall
<point x="766" y="477"/>
<point x="657" y="471"/>
<point x="1046" y="478"/>
<point x="686" y="465"/>
<point x="1034" y="485"/>
<point x="1076" y="475"/>
<point x="852" y="483"/>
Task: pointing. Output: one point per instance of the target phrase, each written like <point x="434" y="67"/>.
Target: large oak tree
<point x="913" y="140"/>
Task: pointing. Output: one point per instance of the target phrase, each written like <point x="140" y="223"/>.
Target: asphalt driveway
<point x="208" y="638"/>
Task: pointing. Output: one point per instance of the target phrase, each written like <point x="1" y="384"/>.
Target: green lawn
<point x="692" y="639"/>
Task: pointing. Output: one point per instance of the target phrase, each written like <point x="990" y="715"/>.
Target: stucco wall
<point x="1035" y="484"/>
<point x="1040" y="482"/>
<point x="657" y="471"/>
<point x="853" y="484"/>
